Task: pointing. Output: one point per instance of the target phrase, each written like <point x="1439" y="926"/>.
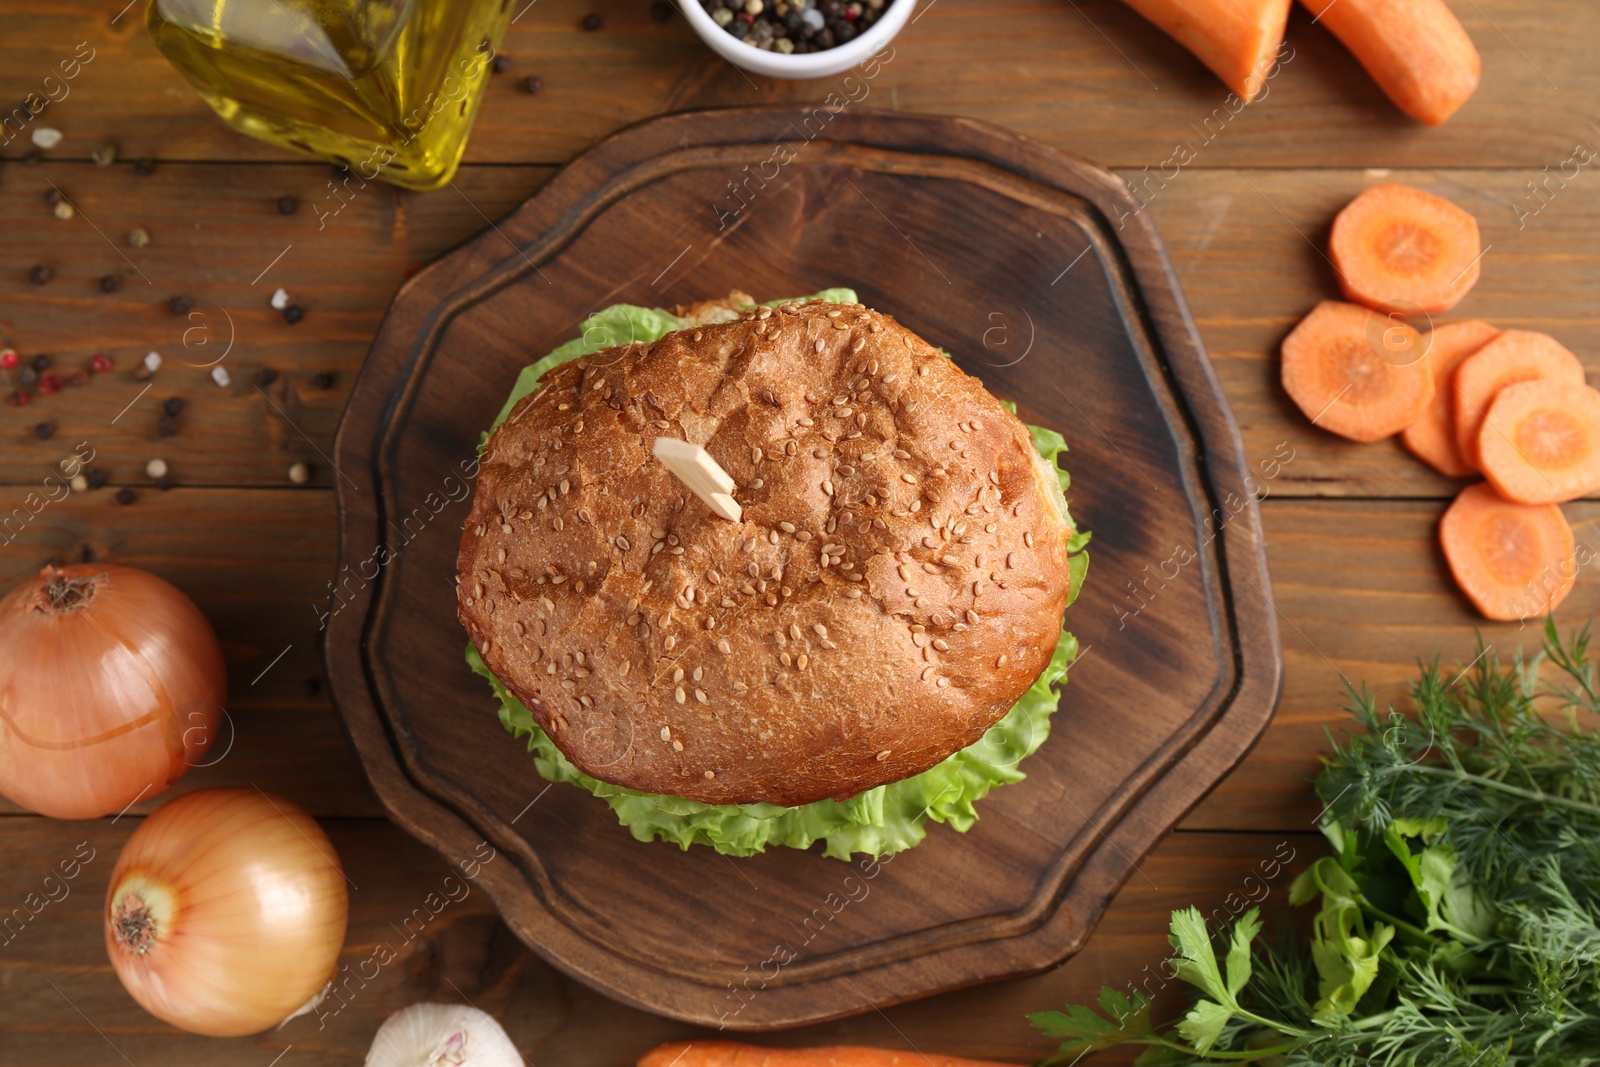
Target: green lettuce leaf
<point x="879" y="821"/>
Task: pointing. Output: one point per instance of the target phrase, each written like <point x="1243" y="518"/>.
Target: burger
<point x="874" y="642"/>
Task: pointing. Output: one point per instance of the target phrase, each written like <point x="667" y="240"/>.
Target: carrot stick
<point x="732" y="1054"/>
<point x="1511" y="560"/>
<point x="1238" y="39"/>
<point x="1356" y="373"/>
<point x="1415" y="50"/>
<point x="1400" y="249"/>
<point x="1514" y="356"/>
<point x="1432" y="438"/>
<point x="1540" y="442"/>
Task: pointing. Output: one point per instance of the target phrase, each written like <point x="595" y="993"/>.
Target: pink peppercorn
<point x="8" y="358"/>
<point x="49" y="383"/>
<point x="100" y="363"/>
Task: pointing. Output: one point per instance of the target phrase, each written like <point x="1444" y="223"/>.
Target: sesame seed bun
<point x="895" y="584"/>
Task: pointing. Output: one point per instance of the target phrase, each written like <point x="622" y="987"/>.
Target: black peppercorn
<point x="110" y="283"/>
<point x="324" y="380"/>
<point x="178" y="305"/>
<point x="593" y="21"/>
<point x="533" y="84"/>
<point x="41" y="362"/>
<point x="293" y="314"/>
<point x="96" y="476"/>
<point x="38" y="274"/>
<point x="166" y="426"/>
<point x="165" y="482"/>
<point x="266" y="376"/>
<point x="52" y="196"/>
<point x="172" y="405"/>
<point x="126" y="495"/>
<point x="145" y="167"/>
<point x="500" y="65"/>
<point x="288" y="205"/>
<point x="44" y="431"/>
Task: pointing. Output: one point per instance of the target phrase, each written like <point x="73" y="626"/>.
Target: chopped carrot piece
<point x="1400" y="249"/>
<point x="1432" y="438"/>
<point x="733" y="1054"/>
<point x="1514" y="356"/>
<point x="1540" y="442"/>
<point x="1238" y="39"/>
<point x="1415" y="50"/>
<point x="1356" y="373"/>
<point x="1512" y="560"/>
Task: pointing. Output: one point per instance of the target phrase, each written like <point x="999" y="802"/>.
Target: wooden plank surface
<point x="1246" y="245"/>
<point x="1358" y="580"/>
<point x="1091" y="76"/>
<point x="51" y="970"/>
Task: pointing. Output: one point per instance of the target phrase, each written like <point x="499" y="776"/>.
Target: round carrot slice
<point x="1432" y="438"/>
<point x="1514" y="356"/>
<point x="1400" y="249"/>
<point x="1356" y="373"/>
<point x="1541" y="442"/>
<point x="1514" y="561"/>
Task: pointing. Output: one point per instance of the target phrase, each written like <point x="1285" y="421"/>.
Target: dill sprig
<point x="1458" y="916"/>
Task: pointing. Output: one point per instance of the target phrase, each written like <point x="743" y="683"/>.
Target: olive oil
<point x="387" y="88"/>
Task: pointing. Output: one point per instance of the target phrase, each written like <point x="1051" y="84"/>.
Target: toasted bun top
<point x="896" y="582"/>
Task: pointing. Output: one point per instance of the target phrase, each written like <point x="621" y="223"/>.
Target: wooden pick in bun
<point x="896" y="580"/>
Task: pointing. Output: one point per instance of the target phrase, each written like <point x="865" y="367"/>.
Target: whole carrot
<point x="733" y="1054"/>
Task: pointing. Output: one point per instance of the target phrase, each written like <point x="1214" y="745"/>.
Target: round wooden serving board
<point x="1038" y="271"/>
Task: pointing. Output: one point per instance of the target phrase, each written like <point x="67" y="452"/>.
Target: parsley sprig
<point x="1457" y="918"/>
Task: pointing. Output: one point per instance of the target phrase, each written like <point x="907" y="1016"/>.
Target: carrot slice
<point x="1432" y="438"/>
<point x="733" y="1054"/>
<point x="1238" y="39"/>
<point x="1415" y="50"/>
<point x="1514" y="356"/>
<point x="1512" y="560"/>
<point x="1400" y="249"/>
<point x="1356" y="373"/>
<point x="1540" y="442"/>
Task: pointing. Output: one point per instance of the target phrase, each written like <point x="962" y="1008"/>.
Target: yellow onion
<point x="111" y="687"/>
<point x="226" y="912"/>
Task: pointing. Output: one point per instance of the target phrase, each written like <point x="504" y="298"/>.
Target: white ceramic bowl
<point x="809" y="65"/>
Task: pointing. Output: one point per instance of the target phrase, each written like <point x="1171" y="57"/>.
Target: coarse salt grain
<point x="47" y="137"/>
<point x="156" y="468"/>
<point x="299" y="474"/>
<point x="219" y="374"/>
<point x="152" y="360"/>
<point x="280" y="299"/>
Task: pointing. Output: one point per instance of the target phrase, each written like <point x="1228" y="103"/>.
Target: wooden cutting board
<point x="1040" y="273"/>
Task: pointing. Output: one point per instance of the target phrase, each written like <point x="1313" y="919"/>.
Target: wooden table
<point x="1360" y="585"/>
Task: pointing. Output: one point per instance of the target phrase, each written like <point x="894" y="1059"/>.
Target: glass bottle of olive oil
<point x="387" y="88"/>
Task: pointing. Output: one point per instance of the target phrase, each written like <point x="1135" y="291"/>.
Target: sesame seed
<point x="786" y="527"/>
<point x="819" y="629"/>
<point x="819" y="345"/>
<point x="679" y="695"/>
<point x="803" y="661"/>
<point x="627" y="665"/>
<point x="666" y="733"/>
<point x="1027" y="538"/>
<point x="949" y="561"/>
<point x="1011" y="558"/>
<point x="972" y="616"/>
<point x="943" y="682"/>
<point x="700" y="695"/>
<point x="725" y="648"/>
<point x="853" y="594"/>
<point x="929" y="669"/>
<point x="670" y="643"/>
<point x="677" y="746"/>
<point x="922" y="371"/>
<point x="883" y="755"/>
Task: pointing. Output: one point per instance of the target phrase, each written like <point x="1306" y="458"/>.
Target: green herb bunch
<point x="1458" y="918"/>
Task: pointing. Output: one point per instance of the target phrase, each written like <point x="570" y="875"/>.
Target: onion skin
<point x="226" y="912"/>
<point x="111" y="687"/>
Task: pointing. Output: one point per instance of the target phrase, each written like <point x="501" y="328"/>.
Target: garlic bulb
<point x="442" y="1035"/>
